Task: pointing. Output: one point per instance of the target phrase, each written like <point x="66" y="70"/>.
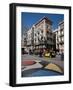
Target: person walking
<point x="40" y="53"/>
<point x="62" y="55"/>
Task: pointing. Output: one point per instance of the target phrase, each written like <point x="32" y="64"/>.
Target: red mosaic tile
<point x="28" y="62"/>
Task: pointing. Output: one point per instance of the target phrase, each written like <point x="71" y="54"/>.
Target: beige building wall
<point x="42" y="32"/>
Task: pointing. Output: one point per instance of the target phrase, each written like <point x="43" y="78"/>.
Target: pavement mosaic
<point x="33" y="67"/>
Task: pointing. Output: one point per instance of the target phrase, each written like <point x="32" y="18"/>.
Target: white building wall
<point x="60" y="37"/>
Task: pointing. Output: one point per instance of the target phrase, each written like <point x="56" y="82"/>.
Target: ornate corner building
<point x="41" y="36"/>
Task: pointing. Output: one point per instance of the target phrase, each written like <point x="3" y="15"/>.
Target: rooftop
<point x="42" y="20"/>
<point x="61" y="22"/>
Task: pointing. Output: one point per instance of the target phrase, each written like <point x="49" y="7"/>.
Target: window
<point x="62" y="32"/>
<point x="35" y="34"/>
<point x="38" y="39"/>
<point x="47" y="38"/>
<point x="62" y="39"/>
<point x="38" y="33"/>
<point x="35" y="39"/>
<point x="46" y="26"/>
<point x="41" y="31"/>
<point x="47" y="31"/>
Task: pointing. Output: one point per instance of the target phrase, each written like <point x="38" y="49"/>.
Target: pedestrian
<point x="62" y="55"/>
<point x="40" y="53"/>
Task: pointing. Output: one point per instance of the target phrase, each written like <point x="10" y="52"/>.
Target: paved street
<point x="56" y="60"/>
<point x="33" y="65"/>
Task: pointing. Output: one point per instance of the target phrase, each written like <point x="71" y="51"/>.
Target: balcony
<point x="49" y="35"/>
<point x="61" y="41"/>
<point x="36" y="43"/>
<point x="50" y="42"/>
<point x="41" y="42"/>
<point x="61" y="35"/>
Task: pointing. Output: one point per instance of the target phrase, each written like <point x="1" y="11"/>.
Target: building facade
<point x="30" y="38"/>
<point x="40" y="36"/>
<point x="24" y="42"/>
<point x="43" y="36"/>
<point x="60" y="37"/>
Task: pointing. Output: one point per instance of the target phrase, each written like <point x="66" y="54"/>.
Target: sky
<point x="28" y="19"/>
